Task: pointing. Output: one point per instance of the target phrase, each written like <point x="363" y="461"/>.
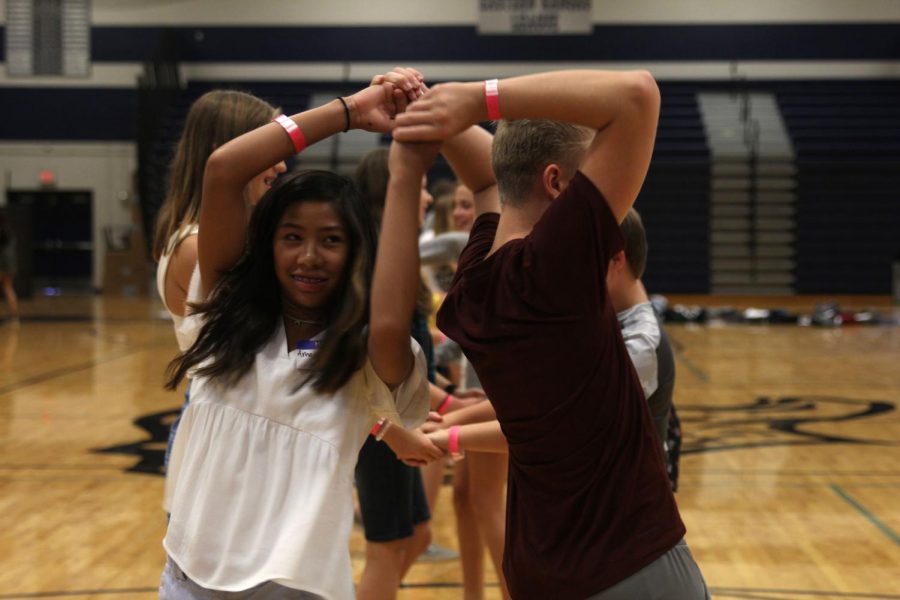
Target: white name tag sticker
<point x="306" y="352"/>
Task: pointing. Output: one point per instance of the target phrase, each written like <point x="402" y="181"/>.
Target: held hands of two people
<point x="433" y="423"/>
<point x="415" y="449"/>
<point x="442" y="112"/>
<point x="399" y="101"/>
<point x="441" y="439"/>
<point x="375" y="107"/>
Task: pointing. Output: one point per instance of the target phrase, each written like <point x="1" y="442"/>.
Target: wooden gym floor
<point x="790" y="483"/>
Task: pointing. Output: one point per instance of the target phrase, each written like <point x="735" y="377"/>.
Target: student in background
<point x="8" y="267"/>
<point x="645" y="337"/>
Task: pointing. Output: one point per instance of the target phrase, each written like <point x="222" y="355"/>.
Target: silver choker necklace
<point x="302" y="322"/>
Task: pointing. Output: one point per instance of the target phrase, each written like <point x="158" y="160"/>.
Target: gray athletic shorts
<point x="673" y="576"/>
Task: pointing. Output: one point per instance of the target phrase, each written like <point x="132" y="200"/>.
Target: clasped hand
<point x="375" y="107"/>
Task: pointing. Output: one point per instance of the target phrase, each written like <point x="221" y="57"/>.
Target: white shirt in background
<point x="640" y="329"/>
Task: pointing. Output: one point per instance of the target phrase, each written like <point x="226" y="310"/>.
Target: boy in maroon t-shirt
<point x="590" y="512"/>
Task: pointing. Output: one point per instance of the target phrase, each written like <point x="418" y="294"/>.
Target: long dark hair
<point x="246" y="305"/>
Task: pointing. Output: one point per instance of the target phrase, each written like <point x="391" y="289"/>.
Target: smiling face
<point x="463" y="210"/>
<point x="311" y="248"/>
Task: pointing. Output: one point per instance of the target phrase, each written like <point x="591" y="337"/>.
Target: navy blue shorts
<point x="391" y="495"/>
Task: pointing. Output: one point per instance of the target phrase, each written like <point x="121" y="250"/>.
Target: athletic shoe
<point x="437" y="553"/>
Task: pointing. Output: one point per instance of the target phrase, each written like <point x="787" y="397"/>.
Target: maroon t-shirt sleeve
<point x="569" y="249"/>
<point x="481" y="238"/>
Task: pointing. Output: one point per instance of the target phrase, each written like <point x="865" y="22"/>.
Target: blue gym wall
<point x="845" y="244"/>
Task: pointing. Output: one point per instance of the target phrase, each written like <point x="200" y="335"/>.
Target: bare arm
<point x="622" y="107"/>
<point x="178" y="275"/>
<point x="469" y="155"/>
<point x="477" y="437"/>
<point x="476" y="413"/>
<point x="455" y="401"/>
<point x="231" y="167"/>
<point x="396" y="280"/>
<point x="411" y="445"/>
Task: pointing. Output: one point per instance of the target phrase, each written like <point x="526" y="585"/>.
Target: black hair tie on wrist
<point x="346" y="114"/>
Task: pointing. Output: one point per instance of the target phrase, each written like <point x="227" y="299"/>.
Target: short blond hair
<point x="523" y="148"/>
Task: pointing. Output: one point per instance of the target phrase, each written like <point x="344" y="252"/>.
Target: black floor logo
<point x="151" y="451"/>
<point x="766" y="422"/>
<point x="787" y="421"/>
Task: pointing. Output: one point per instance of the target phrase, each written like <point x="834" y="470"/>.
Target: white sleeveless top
<point x="260" y="480"/>
<point x="184" y="333"/>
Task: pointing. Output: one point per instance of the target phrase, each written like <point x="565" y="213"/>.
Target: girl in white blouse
<point x="290" y="372"/>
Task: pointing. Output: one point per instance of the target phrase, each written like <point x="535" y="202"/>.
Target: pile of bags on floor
<point x="828" y="314"/>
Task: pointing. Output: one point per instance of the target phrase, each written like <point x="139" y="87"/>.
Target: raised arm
<point x="469" y="155"/>
<point x="231" y="167"/>
<point x="622" y="107"/>
<point x="396" y="280"/>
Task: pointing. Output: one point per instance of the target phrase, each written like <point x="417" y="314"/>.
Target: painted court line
<point x="63" y="371"/>
<point x="694" y="369"/>
<point x="866" y="513"/>
<point x="740" y="592"/>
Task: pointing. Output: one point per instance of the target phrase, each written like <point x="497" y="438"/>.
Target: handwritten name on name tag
<point x="307" y="351"/>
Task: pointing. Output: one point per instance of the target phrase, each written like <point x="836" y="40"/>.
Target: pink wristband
<point x="445" y="404"/>
<point x="453" y="443"/>
<point x="293" y="132"/>
<point x="492" y="98"/>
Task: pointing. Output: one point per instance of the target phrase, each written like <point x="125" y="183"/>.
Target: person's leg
<point x="487" y="482"/>
<point x="433" y="479"/>
<point x="421" y="518"/>
<point x="471" y="549"/>
<point x="381" y="576"/>
<point x="9" y="292"/>
<point x="415" y="546"/>
<point x="386" y="489"/>
<point x="673" y="576"/>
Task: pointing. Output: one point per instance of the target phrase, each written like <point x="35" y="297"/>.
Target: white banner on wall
<point x="48" y="38"/>
<point x="535" y="17"/>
